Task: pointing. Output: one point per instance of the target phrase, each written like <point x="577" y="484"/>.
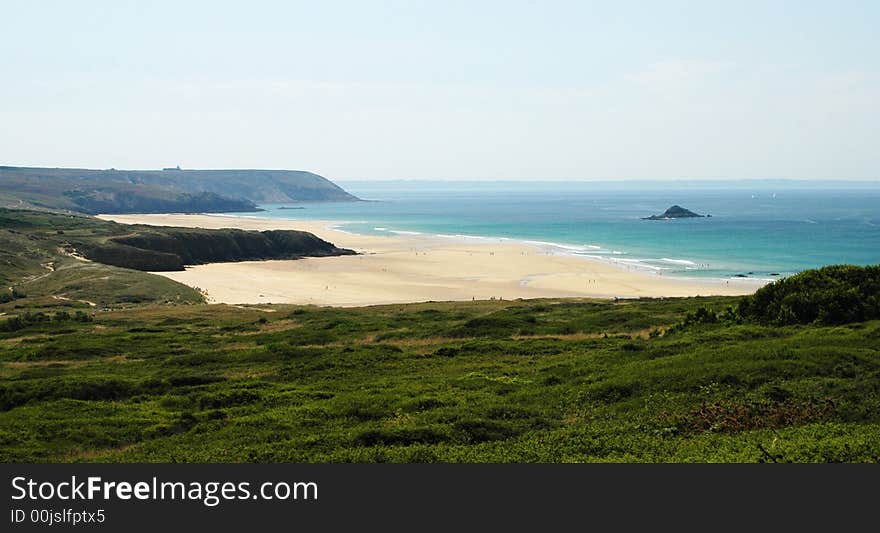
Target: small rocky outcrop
<point x="673" y="212"/>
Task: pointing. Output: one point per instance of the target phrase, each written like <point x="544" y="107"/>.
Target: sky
<point x="492" y="90"/>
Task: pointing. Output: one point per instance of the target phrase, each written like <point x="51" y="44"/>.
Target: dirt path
<point x="66" y="299"/>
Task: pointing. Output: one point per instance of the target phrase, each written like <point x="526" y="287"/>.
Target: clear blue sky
<point x="445" y="89"/>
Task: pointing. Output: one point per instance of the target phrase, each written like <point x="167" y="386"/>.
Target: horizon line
<point x="178" y="168"/>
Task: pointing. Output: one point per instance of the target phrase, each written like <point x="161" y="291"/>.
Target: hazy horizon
<point x="523" y="180"/>
<point x="495" y="91"/>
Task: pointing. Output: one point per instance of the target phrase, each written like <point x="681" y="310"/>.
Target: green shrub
<point x="398" y="437"/>
<point x="838" y="294"/>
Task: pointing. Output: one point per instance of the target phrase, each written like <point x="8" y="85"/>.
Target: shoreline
<point x="584" y="251"/>
<point x="415" y="267"/>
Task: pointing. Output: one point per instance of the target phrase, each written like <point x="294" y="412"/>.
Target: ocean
<point x="758" y="229"/>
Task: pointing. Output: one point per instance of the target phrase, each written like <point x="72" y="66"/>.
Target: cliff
<point x="164" y="249"/>
<point x="156" y="191"/>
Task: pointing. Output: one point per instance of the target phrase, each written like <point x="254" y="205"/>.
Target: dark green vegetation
<point x="161" y="249"/>
<point x="650" y="380"/>
<point x="831" y="295"/>
<point x="39" y="258"/>
<point x="160" y="191"/>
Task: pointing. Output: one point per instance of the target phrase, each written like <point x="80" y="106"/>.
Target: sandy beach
<point x="416" y="268"/>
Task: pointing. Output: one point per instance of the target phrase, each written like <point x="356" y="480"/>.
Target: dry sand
<point x="416" y="268"/>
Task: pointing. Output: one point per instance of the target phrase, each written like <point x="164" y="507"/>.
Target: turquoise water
<point x="758" y="229"/>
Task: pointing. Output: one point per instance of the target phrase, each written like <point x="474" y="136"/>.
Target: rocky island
<point x="675" y="211"/>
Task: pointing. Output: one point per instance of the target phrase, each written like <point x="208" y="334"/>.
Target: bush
<point x="13" y="294"/>
<point x="831" y="295"/>
<point x="702" y="315"/>
<point x="16" y="323"/>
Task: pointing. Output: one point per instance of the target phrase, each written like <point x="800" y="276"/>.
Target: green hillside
<point x="160" y="191"/>
<point x="541" y="381"/>
<point x="74" y="256"/>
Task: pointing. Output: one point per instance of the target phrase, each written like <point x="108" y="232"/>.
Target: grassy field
<point x="530" y="381"/>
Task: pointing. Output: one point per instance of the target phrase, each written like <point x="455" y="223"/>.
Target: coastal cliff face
<point x="161" y="191"/>
<point x="69" y="257"/>
<point x="256" y="185"/>
<point x="167" y="249"/>
<point x="673" y="212"/>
